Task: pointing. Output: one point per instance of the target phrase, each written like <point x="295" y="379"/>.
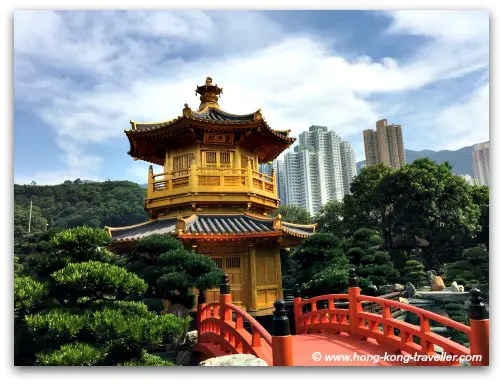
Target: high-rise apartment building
<point x="320" y="139"/>
<point x="279" y="167"/>
<point x="348" y="165"/>
<point x="384" y="145"/>
<point x="265" y="168"/>
<point x="319" y="170"/>
<point x="305" y="185"/>
<point x="480" y="160"/>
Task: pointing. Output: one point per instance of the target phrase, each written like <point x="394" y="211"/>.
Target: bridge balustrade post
<point x="355" y="307"/>
<point x="297" y="310"/>
<point x="282" y="351"/>
<point x="479" y="323"/>
<point x="201" y="301"/>
<point x="225" y="298"/>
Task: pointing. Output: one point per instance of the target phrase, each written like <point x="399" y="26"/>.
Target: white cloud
<point x="145" y="66"/>
<point x="444" y="25"/>
<point x="464" y="123"/>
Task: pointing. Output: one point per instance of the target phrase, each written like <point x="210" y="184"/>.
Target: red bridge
<point x="340" y="336"/>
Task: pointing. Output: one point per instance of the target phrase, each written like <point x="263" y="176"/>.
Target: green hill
<point x="71" y="204"/>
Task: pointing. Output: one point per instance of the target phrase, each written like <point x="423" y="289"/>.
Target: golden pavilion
<point x="212" y="197"/>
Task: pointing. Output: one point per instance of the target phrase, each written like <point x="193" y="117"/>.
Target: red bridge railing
<point x="221" y="328"/>
<point x="222" y="324"/>
<point x="389" y="332"/>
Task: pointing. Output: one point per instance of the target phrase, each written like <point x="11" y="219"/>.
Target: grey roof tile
<point x="206" y="224"/>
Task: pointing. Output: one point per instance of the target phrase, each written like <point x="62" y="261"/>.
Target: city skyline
<point x="76" y="88"/>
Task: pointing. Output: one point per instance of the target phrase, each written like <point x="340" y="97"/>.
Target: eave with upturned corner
<point x="184" y="130"/>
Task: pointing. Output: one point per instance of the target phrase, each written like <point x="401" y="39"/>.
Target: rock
<point x="175" y="309"/>
<point x="437" y="283"/>
<point x="398" y="288"/>
<point x="410" y="289"/>
<point x="371" y="290"/>
<point x="388" y="288"/>
<point x="238" y="360"/>
<point x="430" y="275"/>
<point x="443" y="296"/>
<point x="188" y="341"/>
<point x="183" y="358"/>
<point x="191" y="338"/>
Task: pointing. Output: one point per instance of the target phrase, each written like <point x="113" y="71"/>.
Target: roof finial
<point x="209" y="93"/>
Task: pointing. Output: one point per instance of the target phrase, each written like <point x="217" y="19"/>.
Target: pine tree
<point x="414" y="273"/>
<point x="171" y="271"/>
<point x="373" y="266"/>
<point x="76" y="308"/>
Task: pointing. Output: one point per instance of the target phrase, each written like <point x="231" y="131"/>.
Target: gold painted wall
<point x="254" y="273"/>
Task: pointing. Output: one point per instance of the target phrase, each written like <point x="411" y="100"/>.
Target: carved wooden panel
<point x="218" y="138"/>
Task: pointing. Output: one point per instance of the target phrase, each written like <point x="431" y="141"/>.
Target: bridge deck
<point x="326" y="344"/>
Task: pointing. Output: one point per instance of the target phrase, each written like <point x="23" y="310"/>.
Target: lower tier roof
<point x="217" y="226"/>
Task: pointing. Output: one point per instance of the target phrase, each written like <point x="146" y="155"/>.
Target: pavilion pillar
<point x="253" y="277"/>
<point x="479" y="324"/>
<point x="192" y="175"/>
<point x="282" y="351"/>
<point x="249" y="173"/>
<point x="277" y="263"/>
<point x="151" y="179"/>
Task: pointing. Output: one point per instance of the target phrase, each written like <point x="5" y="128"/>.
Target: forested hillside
<point x="74" y="203"/>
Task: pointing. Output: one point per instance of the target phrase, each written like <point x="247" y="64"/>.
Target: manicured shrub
<point x="414" y="273"/>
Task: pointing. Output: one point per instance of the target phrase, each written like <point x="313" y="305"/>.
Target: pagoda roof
<point x="148" y="140"/>
<point x="197" y="226"/>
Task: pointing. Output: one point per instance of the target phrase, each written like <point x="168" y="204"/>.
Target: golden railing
<point x="211" y="178"/>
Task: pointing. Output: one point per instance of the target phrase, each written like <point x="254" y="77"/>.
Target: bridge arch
<point x="222" y="332"/>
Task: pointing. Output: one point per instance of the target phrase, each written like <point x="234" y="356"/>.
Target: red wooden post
<point x="297" y="311"/>
<point x="200" y="316"/>
<point x="282" y="351"/>
<point x="479" y="323"/>
<point x="355" y="306"/>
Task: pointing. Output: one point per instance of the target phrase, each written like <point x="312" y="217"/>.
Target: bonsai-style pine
<point x="171" y="271"/>
<point x="414" y="273"/>
<point x="323" y="267"/>
<point x="373" y="265"/>
<point x="79" y="309"/>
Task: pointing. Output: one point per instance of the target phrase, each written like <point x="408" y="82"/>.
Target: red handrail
<point x="332" y="319"/>
<point x="418" y="311"/>
<point x="231" y="334"/>
<point x="254" y="324"/>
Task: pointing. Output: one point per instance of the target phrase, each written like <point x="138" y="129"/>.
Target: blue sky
<point x="79" y="77"/>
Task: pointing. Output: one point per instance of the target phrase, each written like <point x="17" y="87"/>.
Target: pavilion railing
<point x="208" y="178"/>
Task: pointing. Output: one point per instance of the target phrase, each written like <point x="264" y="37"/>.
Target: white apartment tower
<point x="315" y="172"/>
<point x="305" y="186"/>
<point x="348" y="164"/>
<point x="480" y="160"/>
<point x="320" y="139"/>
<point x="279" y="167"/>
